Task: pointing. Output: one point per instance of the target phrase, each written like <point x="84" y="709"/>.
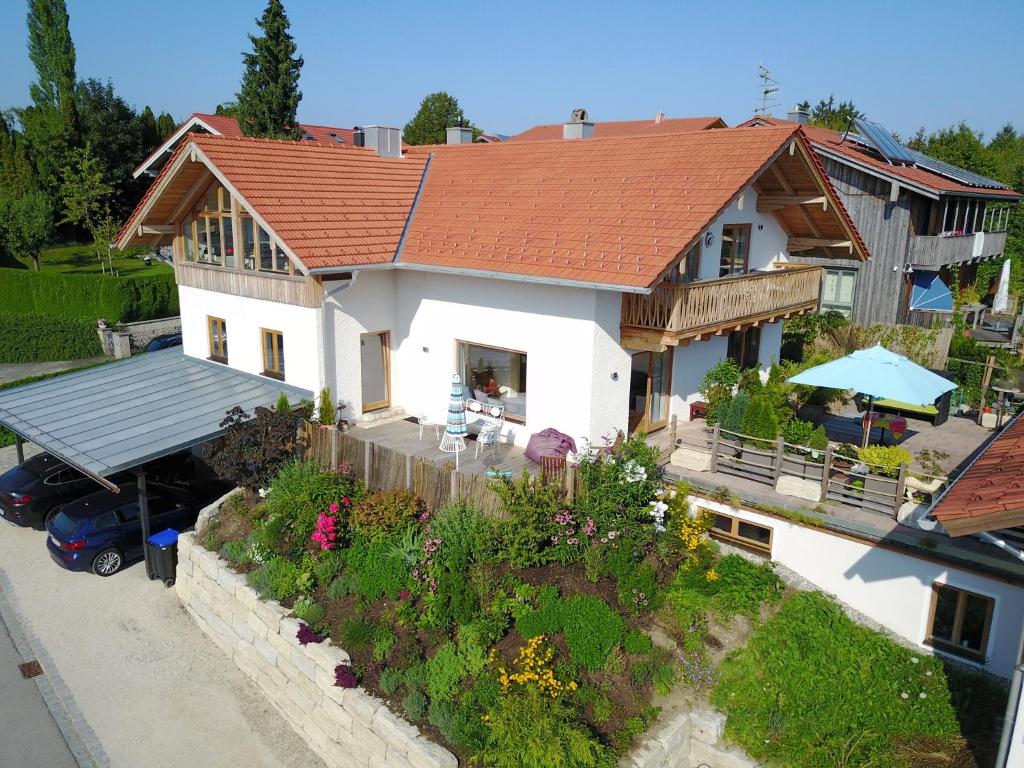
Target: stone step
<point x="393" y="413"/>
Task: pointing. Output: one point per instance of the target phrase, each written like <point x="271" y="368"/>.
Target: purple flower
<point x="344" y="677"/>
<point x="306" y="635"/>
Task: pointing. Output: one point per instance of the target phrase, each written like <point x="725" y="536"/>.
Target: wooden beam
<point x="768" y="203"/>
<point x="808" y="243"/>
<point x="784" y="183"/>
<point x="156" y="229"/>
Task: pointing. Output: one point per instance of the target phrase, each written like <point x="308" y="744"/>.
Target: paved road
<point x="15" y="371"/>
<point x="29" y="736"/>
<point x="139" y="674"/>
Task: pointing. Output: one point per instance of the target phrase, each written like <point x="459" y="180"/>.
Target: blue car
<point x="102" y="532"/>
<point x="165" y="341"/>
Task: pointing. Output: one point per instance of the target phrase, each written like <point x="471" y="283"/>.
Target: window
<point x="687" y="269"/>
<point x="744" y="347"/>
<point x="211" y="229"/>
<point x="496" y="374"/>
<point x="960" y="621"/>
<point x="129" y="513"/>
<point x="106" y="520"/>
<point x="273" y="353"/>
<point x="741" y="533"/>
<point x="62" y="476"/>
<point x="735" y="249"/>
<point x="837" y="291"/>
<point x="218" y="339"/>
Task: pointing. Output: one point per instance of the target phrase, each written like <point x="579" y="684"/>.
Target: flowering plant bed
<point x="519" y="641"/>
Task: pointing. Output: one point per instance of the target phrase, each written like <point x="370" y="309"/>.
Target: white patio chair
<point x="426" y="420"/>
<point x="489" y="436"/>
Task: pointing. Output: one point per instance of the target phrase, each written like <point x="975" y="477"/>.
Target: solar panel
<point x="953" y="172"/>
<point x="886" y="144"/>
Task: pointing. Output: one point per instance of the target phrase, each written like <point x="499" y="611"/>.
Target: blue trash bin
<point x="163" y="556"/>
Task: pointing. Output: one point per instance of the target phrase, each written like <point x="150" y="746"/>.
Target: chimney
<point x="358" y="137"/>
<point x="798" y="115"/>
<point x="458" y="134"/>
<point x="386" y="140"/>
<point x="579" y="126"/>
<point x="658" y="118"/>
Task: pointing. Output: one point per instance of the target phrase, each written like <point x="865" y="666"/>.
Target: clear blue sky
<point x="905" y="63"/>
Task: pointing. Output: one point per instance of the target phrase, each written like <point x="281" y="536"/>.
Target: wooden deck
<point x="403" y="436"/>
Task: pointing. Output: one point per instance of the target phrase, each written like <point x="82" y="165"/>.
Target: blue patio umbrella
<point x="930" y="293"/>
<point x="454" y="440"/>
<point x="878" y="373"/>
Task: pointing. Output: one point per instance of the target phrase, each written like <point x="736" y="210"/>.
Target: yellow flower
<point x="711" y="575"/>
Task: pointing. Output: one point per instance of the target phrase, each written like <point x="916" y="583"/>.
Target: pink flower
<point x="404" y="594"/>
<point x="346" y="500"/>
<point x="334" y="508"/>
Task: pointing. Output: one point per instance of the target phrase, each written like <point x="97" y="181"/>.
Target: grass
<point x="81" y="259"/>
<point x="812" y="688"/>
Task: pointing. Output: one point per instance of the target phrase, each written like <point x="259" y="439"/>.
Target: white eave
<point x="169" y="146"/>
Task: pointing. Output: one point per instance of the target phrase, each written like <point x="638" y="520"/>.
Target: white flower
<point x="913" y="659"/>
<point x="923" y="695"/>
<point x="263" y="493"/>
<point x="660" y="507"/>
<point x="928" y="673"/>
<point x="660" y="492"/>
<point x="904" y="695"/>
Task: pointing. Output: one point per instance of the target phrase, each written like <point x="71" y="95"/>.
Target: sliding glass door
<point x="650" y="386"/>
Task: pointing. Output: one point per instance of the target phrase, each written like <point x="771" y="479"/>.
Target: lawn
<point x="81" y="259"/>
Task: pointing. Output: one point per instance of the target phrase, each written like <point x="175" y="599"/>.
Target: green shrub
<point x="342" y="586"/>
<point x="391" y="680"/>
<point x="356" y="633"/>
<point x="415" y="705"/>
<point x="818" y="441"/>
<point x="87" y="297"/>
<point x="454" y="600"/>
<point x="798" y="432"/>
<point x="278" y="579"/>
<point x="301" y="491"/>
<point x="416" y="676"/>
<point x="460" y="725"/>
<point x="750" y="382"/>
<point x="385" y="512"/>
<point x="811" y="685"/>
<point x="591" y="630"/>
<point x="885" y="460"/>
<point x="467" y="536"/>
<point x="525" y="531"/>
<point x="375" y="571"/>
<point x="732" y="414"/>
<point x="308" y="610"/>
<point x="741" y="587"/>
<point x="717" y="386"/>
<point x="760" y="424"/>
<point x="445" y="669"/>
<point x="282" y="403"/>
<point x="328" y="565"/>
<point x="37" y="338"/>
<point x="637" y="642"/>
<point x="615" y="489"/>
<point x="546" y="619"/>
<point x="384" y="640"/>
<point x="601" y="710"/>
<point x="236" y="552"/>
<point x="530" y="730"/>
<point x="638" y="590"/>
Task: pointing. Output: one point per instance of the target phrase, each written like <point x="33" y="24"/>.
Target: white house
<point x="588" y="284"/>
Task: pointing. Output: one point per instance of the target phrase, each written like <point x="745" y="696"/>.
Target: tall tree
<point x="165" y="126"/>
<point x="26" y="221"/>
<point x="268" y="102"/>
<point x="828" y="114"/>
<point x="148" y="132"/>
<point x="438" y="111"/>
<point x="85" y="193"/>
<point x="53" y="53"/>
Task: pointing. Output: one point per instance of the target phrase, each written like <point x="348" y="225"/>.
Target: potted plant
<point x="731" y="423"/>
<point x="717" y="388"/>
<point x="343" y="423"/>
<point x="325" y="411"/>
<point x="806" y="444"/>
<point x="883" y="467"/>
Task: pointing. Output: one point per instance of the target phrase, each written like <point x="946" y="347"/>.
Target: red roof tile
<point x="625" y="128"/>
<point x="228" y="126"/>
<point x="333" y="206"/>
<point x="593" y="210"/>
<point x="990" y="489"/>
<point x="832" y="141"/>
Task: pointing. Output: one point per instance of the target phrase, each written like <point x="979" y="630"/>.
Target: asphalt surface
<point x="138" y="683"/>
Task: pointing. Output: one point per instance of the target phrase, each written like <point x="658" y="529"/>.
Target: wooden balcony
<point x="675" y="314"/>
<point x="937" y="252"/>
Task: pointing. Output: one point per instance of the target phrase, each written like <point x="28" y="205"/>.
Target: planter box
<point x="793" y="466"/>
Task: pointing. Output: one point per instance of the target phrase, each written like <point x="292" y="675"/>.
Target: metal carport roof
<point x="123" y="414"/>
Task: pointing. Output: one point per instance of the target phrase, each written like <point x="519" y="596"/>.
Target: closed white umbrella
<point x="1002" y="299"/>
<point x="454" y="439"/>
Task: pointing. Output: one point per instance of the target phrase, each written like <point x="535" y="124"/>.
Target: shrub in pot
<point x="732" y="423"/>
<point x="883" y="461"/>
<point x="798" y="432"/>
<point x="761" y="427"/>
<point x="717" y="388"/>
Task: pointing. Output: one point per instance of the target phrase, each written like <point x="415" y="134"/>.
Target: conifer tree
<point x="269" y="99"/>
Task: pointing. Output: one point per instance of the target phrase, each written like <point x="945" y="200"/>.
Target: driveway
<point x="141" y="680"/>
<point x="15" y="371"/>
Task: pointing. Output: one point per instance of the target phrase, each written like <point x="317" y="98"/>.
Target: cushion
<point x="549" y="442"/>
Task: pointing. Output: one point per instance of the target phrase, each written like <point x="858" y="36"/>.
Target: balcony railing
<point x="936" y="251"/>
<point x="676" y="312"/>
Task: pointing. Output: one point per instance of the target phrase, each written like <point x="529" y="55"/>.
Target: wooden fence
<point x="843" y="481"/>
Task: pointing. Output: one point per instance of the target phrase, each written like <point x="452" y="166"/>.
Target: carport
<point x="118" y="416"/>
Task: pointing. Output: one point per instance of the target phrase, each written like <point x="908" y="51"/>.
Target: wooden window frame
<point x="951" y="646"/>
<point x="746" y="256"/>
<point x="459" y="368"/>
<point x="732" y="536"/>
<point x="742" y="362"/>
<point x="210" y="321"/>
<point x="276" y="342"/>
<point x="377" y="405"/>
<point x="853" y="298"/>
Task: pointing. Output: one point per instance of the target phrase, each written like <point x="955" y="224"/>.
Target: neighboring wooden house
<point x="919" y="219"/>
<point x="588" y="284"/>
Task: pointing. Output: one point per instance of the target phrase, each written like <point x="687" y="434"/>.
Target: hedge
<point x="87" y="297"/>
<point x="29" y="338"/>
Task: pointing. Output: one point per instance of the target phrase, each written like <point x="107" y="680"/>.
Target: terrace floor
<point x="403" y="435"/>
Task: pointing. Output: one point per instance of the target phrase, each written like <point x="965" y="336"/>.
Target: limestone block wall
<point x="346" y="727"/>
<point x="688" y="740"/>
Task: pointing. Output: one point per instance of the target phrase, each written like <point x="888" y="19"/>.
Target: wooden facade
<point x="300" y="291"/>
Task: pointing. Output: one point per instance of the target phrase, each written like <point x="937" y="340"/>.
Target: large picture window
<point x="218" y="331"/>
<point x="491" y="373"/>
<point x="960" y="621"/>
<point x="735" y="249"/>
<point x="208" y="234"/>
<point x="273" y="353"/>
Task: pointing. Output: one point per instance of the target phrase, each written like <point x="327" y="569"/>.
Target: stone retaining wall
<point x="688" y="740"/>
<point x="347" y="727"/>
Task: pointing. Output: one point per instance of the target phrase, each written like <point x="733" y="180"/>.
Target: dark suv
<point x="30" y="493"/>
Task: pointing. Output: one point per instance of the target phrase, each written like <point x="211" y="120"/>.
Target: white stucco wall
<point x="243" y="320"/>
<point x="1015" y="755"/>
<point x="892" y="588"/>
<point x="768" y="240"/>
<point x="570" y="337"/>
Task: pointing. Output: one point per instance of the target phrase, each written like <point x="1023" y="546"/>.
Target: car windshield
<point x="65" y="525"/>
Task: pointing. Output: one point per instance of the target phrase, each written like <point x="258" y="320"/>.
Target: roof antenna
<point x="846" y="133"/>
<point x="769" y="88"/>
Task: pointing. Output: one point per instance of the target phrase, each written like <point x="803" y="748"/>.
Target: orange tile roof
<point x="593" y="210"/>
<point x="610" y="129"/>
<point x="990" y="489"/>
<point x="334" y="206"/>
<point x="833" y="141"/>
<point x="228" y="126"/>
